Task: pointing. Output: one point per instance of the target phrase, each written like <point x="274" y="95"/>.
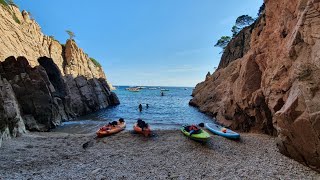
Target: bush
<point x="261" y="9"/>
<point x="3" y="2"/>
<point x="52" y="37"/>
<point x="223" y="42"/>
<point x="95" y="62"/>
<point x="15" y="18"/>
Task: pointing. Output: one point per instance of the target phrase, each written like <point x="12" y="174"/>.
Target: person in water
<point x="140" y="107"/>
<point x="162" y="94"/>
<point x="147" y="106"/>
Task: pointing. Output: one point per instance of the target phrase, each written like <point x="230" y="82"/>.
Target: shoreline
<point x="166" y="155"/>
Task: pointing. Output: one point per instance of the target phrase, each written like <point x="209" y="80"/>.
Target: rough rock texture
<point x="237" y="47"/>
<point x="274" y="87"/>
<point x="11" y="121"/>
<point x="48" y="83"/>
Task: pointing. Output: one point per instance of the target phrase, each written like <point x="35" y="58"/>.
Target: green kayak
<point x="202" y="136"/>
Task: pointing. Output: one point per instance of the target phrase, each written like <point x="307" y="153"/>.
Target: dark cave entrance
<point x="54" y="75"/>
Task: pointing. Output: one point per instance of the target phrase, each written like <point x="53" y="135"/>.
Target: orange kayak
<point x="108" y="130"/>
<point x="145" y="132"/>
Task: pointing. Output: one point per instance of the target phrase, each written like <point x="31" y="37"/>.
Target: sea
<point x="167" y="112"/>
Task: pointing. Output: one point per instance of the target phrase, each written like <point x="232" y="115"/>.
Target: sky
<point x="145" y="42"/>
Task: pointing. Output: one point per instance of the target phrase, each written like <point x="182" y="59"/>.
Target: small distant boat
<point x="222" y="131"/>
<point x="141" y="87"/>
<point x="153" y="88"/>
<point x="133" y="89"/>
<point x="164" y="89"/>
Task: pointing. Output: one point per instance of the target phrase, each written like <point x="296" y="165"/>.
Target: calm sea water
<point x="165" y="112"/>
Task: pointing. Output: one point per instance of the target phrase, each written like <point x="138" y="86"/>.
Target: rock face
<point x="273" y="87"/>
<point x="48" y="82"/>
<point x="237" y="47"/>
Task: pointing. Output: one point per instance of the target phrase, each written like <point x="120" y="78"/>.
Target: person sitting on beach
<point x="114" y="123"/>
<point x="106" y="127"/>
<point x="121" y="120"/>
<point x="193" y="129"/>
<point x="142" y="124"/>
<point x="145" y="125"/>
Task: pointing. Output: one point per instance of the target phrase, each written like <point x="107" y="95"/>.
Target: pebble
<point x="95" y="171"/>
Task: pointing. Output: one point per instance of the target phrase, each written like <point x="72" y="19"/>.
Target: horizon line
<point x="153" y="86"/>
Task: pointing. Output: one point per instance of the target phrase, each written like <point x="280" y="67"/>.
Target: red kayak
<point x="108" y="130"/>
<point x="145" y="131"/>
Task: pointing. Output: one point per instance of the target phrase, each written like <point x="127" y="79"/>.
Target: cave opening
<point x="54" y="75"/>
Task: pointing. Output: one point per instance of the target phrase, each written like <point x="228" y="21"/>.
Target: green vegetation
<point x="223" y="42"/>
<point x="235" y="30"/>
<point x="54" y="39"/>
<point x="71" y="34"/>
<point x="261" y="9"/>
<point x="10" y="2"/>
<point x="15" y="18"/>
<point x="241" y="22"/>
<point x="95" y="62"/>
<point x="6" y="4"/>
<point x="3" y="2"/>
<point x="244" y="20"/>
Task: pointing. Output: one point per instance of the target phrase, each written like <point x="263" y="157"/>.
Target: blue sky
<point x="145" y="42"/>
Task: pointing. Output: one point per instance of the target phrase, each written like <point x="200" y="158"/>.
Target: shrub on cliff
<point x="95" y="62"/>
<point x="241" y="22"/>
<point x="261" y="9"/>
<point x="3" y="2"/>
<point x="8" y="2"/>
<point x="223" y="42"/>
<point x="71" y="34"/>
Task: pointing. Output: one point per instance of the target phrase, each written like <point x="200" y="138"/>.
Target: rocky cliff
<point x="273" y="85"/>
<point x="43" y="82"/>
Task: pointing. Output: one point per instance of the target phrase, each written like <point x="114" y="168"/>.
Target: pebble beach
<point x="126" y="155"/>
